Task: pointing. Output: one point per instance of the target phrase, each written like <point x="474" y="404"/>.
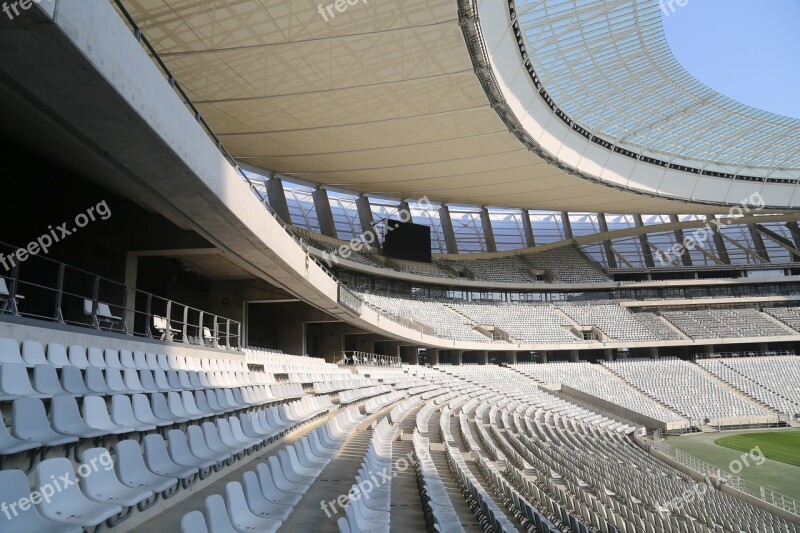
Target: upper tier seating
<point x="724" y="323"/>
<point x="772" y="379"/>
<point x="684" y="387"/>
<point x="595" y="380"/>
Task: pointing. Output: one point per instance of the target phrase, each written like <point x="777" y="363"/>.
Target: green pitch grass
<point x="778" y="446"/>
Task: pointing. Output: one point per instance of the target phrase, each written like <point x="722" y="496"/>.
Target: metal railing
<point x="743" y="354"/>
<point x="769" y="496"/>
<point x="355" y="358"/>
<point x="45" y="289"/>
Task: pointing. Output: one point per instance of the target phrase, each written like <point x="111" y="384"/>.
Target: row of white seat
<point x="354" y="395"/>
<point x="371" y="511"/>
<point x="138" y="476"/>
<point x="34" y="353"/>
<point x="439" y="512"/>
<point x="373" y="405"/>
<point x="32" y="428"/>
<point x="269" y="495"/>
<point x="47" y="381"/>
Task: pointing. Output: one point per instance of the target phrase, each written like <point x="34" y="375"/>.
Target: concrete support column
<point x="511" y="357"/>
<point x="456" y="357"/>
<point x="542" y="357"/>
<point x="644" y="243"/>
<point x="488" y="234"/>
<point x="432" y="355"/>
<point x="324" y="214"/>
<point x="719" y="242"/>
<point x="608" y="354"/>
<point x="483" y="357"/>
<point x="654" y="352"/>
<point x="366" y="219"/>
<point x="277" y="199"/>
<point x="567" y="225"/>
<point x="404" y="212"/>
<point x="527" y="229"/>
<point x="447" y="229"/>
<point x="574" y="356"/>
<point x="686" y="258"/>
<point x="611" y="259"/>
<point x="758" y="242"/>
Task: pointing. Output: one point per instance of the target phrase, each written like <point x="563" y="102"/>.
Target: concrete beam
<point x="324" y="214"/>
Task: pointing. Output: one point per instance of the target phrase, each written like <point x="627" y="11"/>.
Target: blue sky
<point x="748" y="50"/>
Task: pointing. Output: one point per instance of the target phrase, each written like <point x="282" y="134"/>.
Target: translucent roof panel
<point x="607" y="65"/>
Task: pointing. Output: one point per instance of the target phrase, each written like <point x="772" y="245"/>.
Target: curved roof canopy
<point x="387" y="98"/>
<point x="609" y="67"/>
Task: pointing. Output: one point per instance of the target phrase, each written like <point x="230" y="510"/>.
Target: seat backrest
<point x="104" y="311"/>
<point x="159" y="322"/>
<point x="33" y="353"/>
<point x="192" y="522"/>
<point x="95" y="357"/>
<point x="77" y="356"/>
<point x="88" y="305"/>
<point x="9" y="352"/>
<point x="3" y="287"/>
<point x="57" y="354"/>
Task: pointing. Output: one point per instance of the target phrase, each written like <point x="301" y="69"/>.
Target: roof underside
<point x="381" y="98"/>
<point x="608" y="65"/>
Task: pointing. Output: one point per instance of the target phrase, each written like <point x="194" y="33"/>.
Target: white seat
<point x="72" y="381"/>
<point x="13" y="488"/>
<point x="57" y="355"/>
<point x="162" y="409"/>
<point x="344" y="525"/>
<point x="29" y="422"/>
<point x="96" y="358"/>
<point x="194" y="522"/>
<point x="96" y="381"/>
<point x="159" y="462"/>
<point x="66" y="418"/>
<point x="241" y="517"/>
<point x="270" y="491"/>
<point x="144" y="413"/>
<point x="9" y="351"/>
<point x="69" y="505"/>
<point x="96" y="415"/>
<point x="133" y="472"/>
<point x="5" y="297"/>
<point x="77" y="356"/>
<point x="45" y="380"/>
<point x="112" y="358"/>
<point x="15" y="383"/>
<point x="199" y="448"/>
<point x="103" y="486"/>
<point x="122" y="414"/>
<point x="180" y="453"/>
<point x="33" y="353"/>
<point x="217" y="517"/>
<point x="10" y="444"/>
<point x="258" y="504"/>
